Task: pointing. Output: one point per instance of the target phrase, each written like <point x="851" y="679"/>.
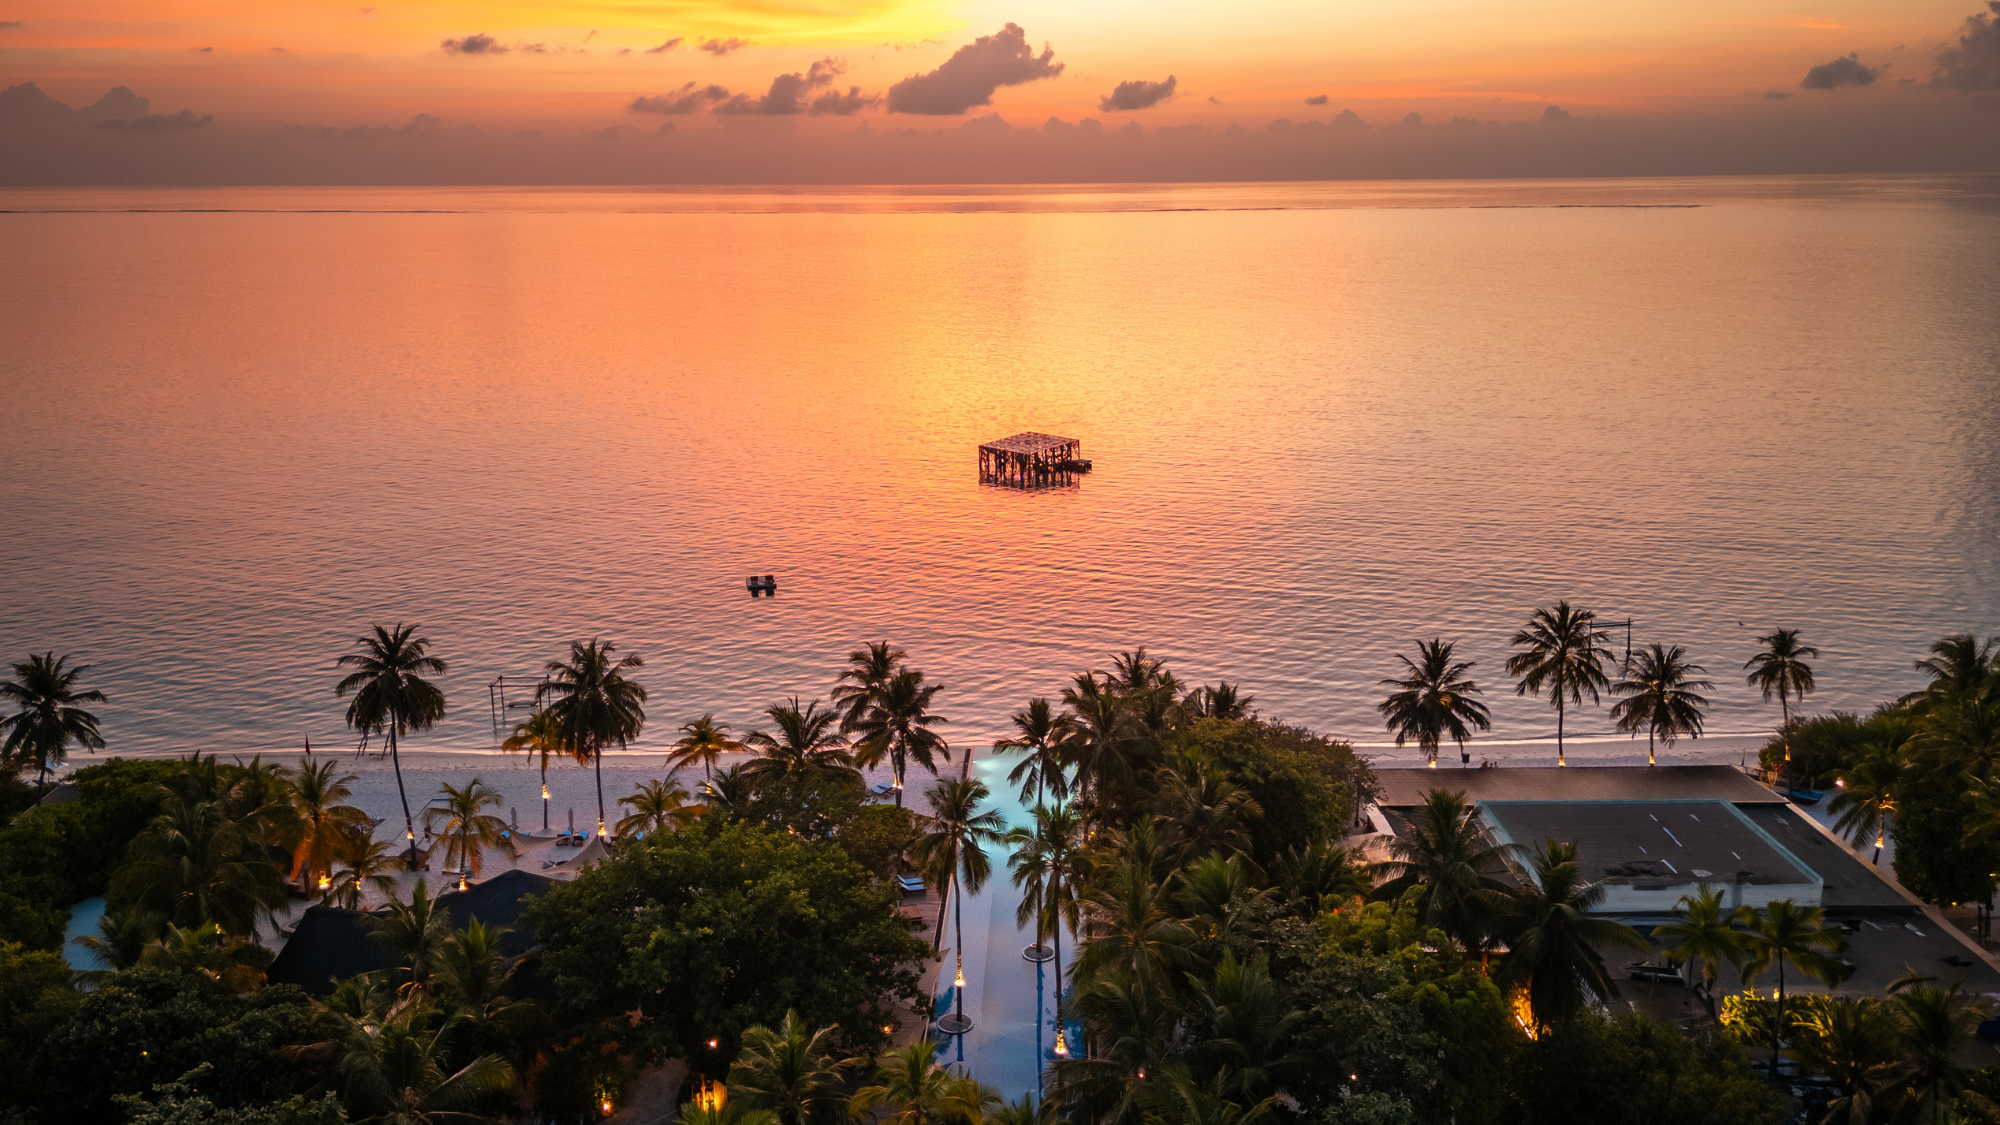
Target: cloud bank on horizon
<point x="1918" y="90"/>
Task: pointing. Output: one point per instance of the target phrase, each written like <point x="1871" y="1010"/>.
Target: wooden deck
<point x="1028" y="460"/>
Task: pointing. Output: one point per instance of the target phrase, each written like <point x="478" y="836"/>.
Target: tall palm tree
<point x="1959" y="666"/>
<point x="1039" y="737"/>
<point x="471" y="974"/>
<point x="1044" y="864"/>
<point x="898" y="724"/>
<point x="49" y="719"/>
<point x="393" y="1070"/>
<point x="1781" y="670"/>
<point x="1705" y="936"/>
<point x="1223" y="701"/>
<point x="703" y="740"/>
<point x="1934" y="1026"/>
<point x="729" y="791"/>
<point x="392" y="698"/>
<point x="950" y="849"/>
<point x="465" y="830"/>
<point x="808" y="741"/>
<point x="914" y="1088"/>
<point x="1250" y="1022"/>
<point x="791" y="1071"/>
<point x="1660" y="695"/>
<point x="1851" y="1040"/>
<point x="1866" y="799"/>
<point x="542" y="737"/>
<point x="1129" y="932"/>
<point x="1220" y="900"/>
<point x="1319" y="875"/>
<point x="1103" y="746"/>
<point x="1559" y="652"/>
<point x="657" y="806"/>
<point x="1553" y="938"/>
<point x="1446" y="853"/>
<point x="594" y="703"/>
<point x="328" y="827"/>
<point x="1785" y="931"/>
<point x="868" y="671"/>
<point x="1433" y="701"/>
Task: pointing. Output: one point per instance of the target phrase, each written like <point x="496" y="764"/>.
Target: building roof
<point x="1652" y="845"/>
<point x="496" y="902"/>
<point x="329" y="945"/>
<point x="1031" y="443"/>
<point x="1405" y="788"/>
<point x="1851" y="884"/>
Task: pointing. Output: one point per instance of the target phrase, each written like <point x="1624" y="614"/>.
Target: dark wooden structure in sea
<point x="1031" y="460"/>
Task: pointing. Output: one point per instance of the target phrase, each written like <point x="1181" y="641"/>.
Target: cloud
<point x="1137" y="94"/>
<point x="1412" y="120"/>
<point x="118" y="104"/>
<point x="160" y="123"/>
<point x="788" y="91"/>
<point x="1777" y="95"/>
<point x="1213" y="100"/>
<point x="1318" y="99"/>
<point x="721" y="47"/>
<point x="1555" y="115"/>
<point x="201" y="50"/>
<point x="844" y="105"/>
<point x="9" y="25"/>
<point x="1848" y="71"/>
<point x="481" y="44"/>
<point x="1972" y="63"/>
<point x="688" y="99"/>
<point x="26" y="103"/>
<point x="969" y="77"/>
<point x="1348" y="119"/>
<point x="667" y="46"/>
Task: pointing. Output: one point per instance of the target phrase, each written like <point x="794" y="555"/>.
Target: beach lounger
<point x="911" y="884"/>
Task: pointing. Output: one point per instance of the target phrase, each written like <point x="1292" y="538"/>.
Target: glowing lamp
<point x="545" y="792"/>
<point x="712" y="1044"/>
<point x="325" y="882"/>
<point x="960" y="982"/>
<point x="1062" y="1046"/>
<point x="607" y="1107"/>
<point x="461" y="880"/>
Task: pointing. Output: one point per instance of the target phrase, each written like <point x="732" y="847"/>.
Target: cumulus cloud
<point x="788" y="91"/>
<point x="1137" y="94"/>
<point x="1848" y="71"/>
<point x="1973" y="62"/>
<point x="844" y="105"/>
<point x="688" y="99"/>
<point x="1555" y="115"/>
<point x="118" y="104"/>
<point x="160" y="123"/>
<point x="1317" y="99"/>
<point x="721" y="47"/>
<point x="973" y="72"/>
<point x="1348" y="119"/>
<point x="480" y="44"/>
<point x="667" y="46"/>
<point x="1413" y="120"/>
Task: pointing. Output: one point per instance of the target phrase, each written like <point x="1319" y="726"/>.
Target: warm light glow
<point x="1062" y="1047"/>
<point x="1841" y="782"/>
<point x="545" y="791"/>
<point x="710" y="1095"/>
<point x="960" y="982"/>
<point x="461" y="880"/>
<point x="325" y="882"/>
<point x="712" y="1044"/>
<point x="600" y="828"/>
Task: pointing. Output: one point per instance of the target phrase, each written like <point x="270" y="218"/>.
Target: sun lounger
<point x="912" y="884"/>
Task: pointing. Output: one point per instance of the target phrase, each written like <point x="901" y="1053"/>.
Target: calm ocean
<point x="1328" y="420"/>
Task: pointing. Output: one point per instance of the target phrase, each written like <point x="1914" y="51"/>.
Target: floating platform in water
<point x="1031" y="460"/>
<point x="768" y="584"/>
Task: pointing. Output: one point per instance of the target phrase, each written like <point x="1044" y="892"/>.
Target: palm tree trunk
<point x="1785" y="710"/>
<point x="597" y="761"/>
<point x="1778" y="1020"/>
<point x="409" y="822"/>
<point x="1056" y="932"/>
<point x="545" y="791"/>
<point x="896" y="763"/>
<point x="958" y="924"/>
<point x="1561" y="759"/>
<point x="937" y="939"/>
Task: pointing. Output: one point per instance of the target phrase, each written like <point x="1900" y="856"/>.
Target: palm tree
<point x="1040" y="737"/>
<point x="1446" y="853"/>
<point x="1934" y="1027"/>
<point x="472" y="975"/>
<point x="392" y="1070"/>
<point x="369" y="863"/>
<point x="916" y="1089"/>
<point x="1102" y="744"/>
<point x="468" y="830"/>
<point x="1781" y="669"/>
<point x="703" y="740"/>
<point x="729" y="791"/>
<point x="1704" y="936"/>
<point x="1866" y="799"/>
<point x="1433" y="701"/>
<point x="1553" y="938"/>
<point x="413" y="934"/>
<point x="1785" y="930"/>
<point x="1559" y="651"/>
<point x="1320" y="875"/>
<point x="1220" y="901"/>
<point x="594" y="703"/>
<point x="1659" y="691"/>
<point x="951" y="850"/>
<point x="1204" y="808"/>
<point x="808" y="741"/>
<point x="196" y="864"/>
<point x="49" y="720"/>
<point x="1851" y="1040"/>
<point x="1959" y="666"/>
<point x="328" y="828"/>
<point x="790" y="1071"/>
<point x="898" y="723"/>
<point x="1044" y="865"/>
<point x="391" y="697"/>
<point x="541" y="737"/>
<point x="1250" y="1021"/>
<point x="1223" y="701"/>
<point x="868" y="671"/>
<point x="1129" y="931"/>
<point x="1132" y="1033"/>
<point x="657" y="806"/>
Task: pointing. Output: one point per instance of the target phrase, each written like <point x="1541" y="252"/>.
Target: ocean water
<point x="1328" y="420"/>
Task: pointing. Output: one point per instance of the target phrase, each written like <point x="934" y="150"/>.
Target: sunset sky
<point x="1923" y="69"/>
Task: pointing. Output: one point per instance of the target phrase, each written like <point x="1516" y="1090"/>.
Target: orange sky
<point x="252" y="61"/>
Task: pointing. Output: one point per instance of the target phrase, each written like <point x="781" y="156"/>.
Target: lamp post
<point x="545" y="806"/>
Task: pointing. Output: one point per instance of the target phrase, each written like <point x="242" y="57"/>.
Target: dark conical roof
<point x="329" y="945"/>
<point x="498" y="901"/>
